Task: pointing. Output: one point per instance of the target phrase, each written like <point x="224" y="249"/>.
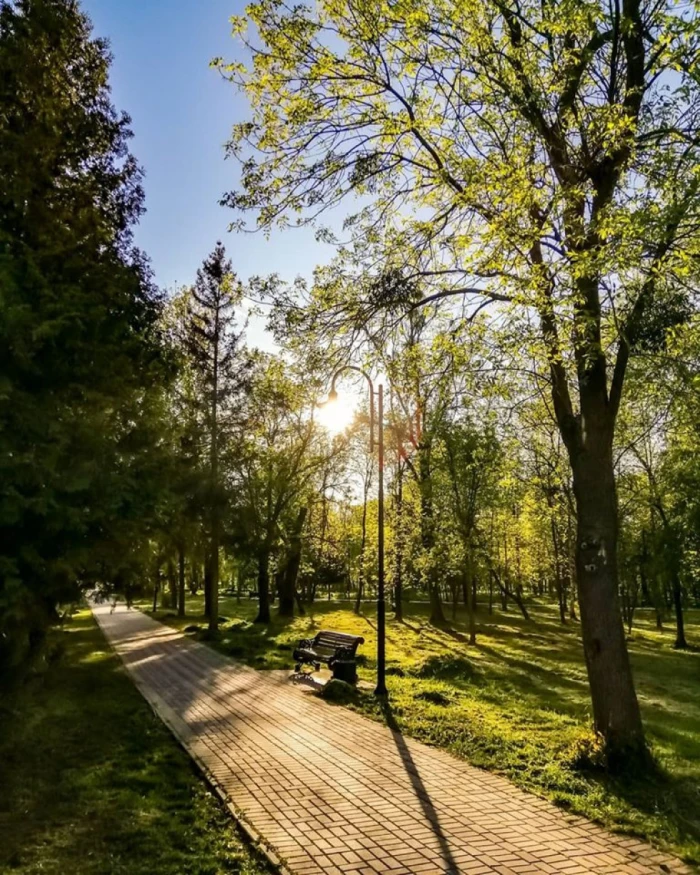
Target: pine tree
<point x="77" y="316"/>
<point x="219" y="358"/>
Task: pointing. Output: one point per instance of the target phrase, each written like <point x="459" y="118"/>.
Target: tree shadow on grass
<point x="257" y="645"/>
<point x="536" y="679"/>
<point x="657" y="793"/>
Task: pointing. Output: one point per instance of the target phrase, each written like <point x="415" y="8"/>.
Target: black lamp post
<point x="381" y="604"/>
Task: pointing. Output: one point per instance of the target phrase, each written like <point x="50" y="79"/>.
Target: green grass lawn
<point x="517" y="703"/>
<point x="91" y="783"/>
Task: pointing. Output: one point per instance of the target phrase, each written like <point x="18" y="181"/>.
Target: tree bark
<point x="468" y="586"/>
<point x="239" y="582"/>
<point x="360" y="592"/>
<point x="207" y="587"/>
<point x="437" y="615"/>
<point x="214" y="584"/>
<point x="172" y="585"/>
<point x="181" y="581"/>
<point x="616" y="713"/>
<point x="558" y="576"/>
<point x="263" y="585"/>
<point x="680" y="643"/>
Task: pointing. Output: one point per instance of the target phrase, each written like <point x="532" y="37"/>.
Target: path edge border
<point x="182" y="735"/>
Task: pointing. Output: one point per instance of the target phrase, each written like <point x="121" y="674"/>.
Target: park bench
<point x="335" y="649"/>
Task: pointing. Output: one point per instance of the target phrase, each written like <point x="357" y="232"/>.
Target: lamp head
<point x="332" y="397"/>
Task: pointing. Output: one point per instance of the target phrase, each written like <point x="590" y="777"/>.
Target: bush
<point x="339" y="692"/>
<point x="446" y="668"/>
<point x="587" y="752"/>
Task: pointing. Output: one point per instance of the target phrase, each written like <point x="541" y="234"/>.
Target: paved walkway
<point x="332" y="792"/>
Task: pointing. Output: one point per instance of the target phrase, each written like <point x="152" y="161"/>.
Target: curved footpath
<point x="330" y="791"/>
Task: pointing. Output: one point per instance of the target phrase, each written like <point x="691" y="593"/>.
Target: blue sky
<point x="182" y="114"/>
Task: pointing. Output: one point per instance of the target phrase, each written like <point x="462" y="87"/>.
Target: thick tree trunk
<point x="181" y="581"/>
<point x="194" y="585"/>
<point x="360" y="592"/>
<point x="681" y="643"/>
<point x="172" y="585"/>
<point x="286" y="603"/>
<point x="616" y="711"/>
<point x="673" y="552"/>
<point x="467" y="585"/>
<point x="520" y="602"/>
<point x="157" y="585"/>
<point x="506" y="574"/>
<point x="207" y="587"/>
<point x="214" y="584"/>
<point x="558" y="575"/>
<point x="263" y="585"/>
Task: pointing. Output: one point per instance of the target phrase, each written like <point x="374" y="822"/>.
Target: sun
<point x="337" y="415"/>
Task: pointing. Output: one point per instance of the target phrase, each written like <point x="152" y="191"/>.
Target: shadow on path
<point x="422" y="794"/>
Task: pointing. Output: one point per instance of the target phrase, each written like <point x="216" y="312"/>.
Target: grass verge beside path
<point x="92" y="783"/>
<point x="517" y="703"/>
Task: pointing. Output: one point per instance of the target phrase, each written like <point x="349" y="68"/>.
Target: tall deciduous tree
<point x="540" y="155"/>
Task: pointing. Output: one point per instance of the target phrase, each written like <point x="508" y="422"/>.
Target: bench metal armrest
<point x="305" y="642"/>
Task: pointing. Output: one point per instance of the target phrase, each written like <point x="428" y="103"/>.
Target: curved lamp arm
<point x="332" y="395"/>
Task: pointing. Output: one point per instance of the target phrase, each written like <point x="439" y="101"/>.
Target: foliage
<point x="79" y="347"/>
<point x="539" y="157"/>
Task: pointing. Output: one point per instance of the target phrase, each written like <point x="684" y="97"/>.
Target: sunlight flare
<point x="337" y="415"/>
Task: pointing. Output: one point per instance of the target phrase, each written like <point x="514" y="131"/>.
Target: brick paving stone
<point x="332" y="792"/>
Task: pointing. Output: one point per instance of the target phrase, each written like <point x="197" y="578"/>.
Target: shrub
<point x="446" y="668"/>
